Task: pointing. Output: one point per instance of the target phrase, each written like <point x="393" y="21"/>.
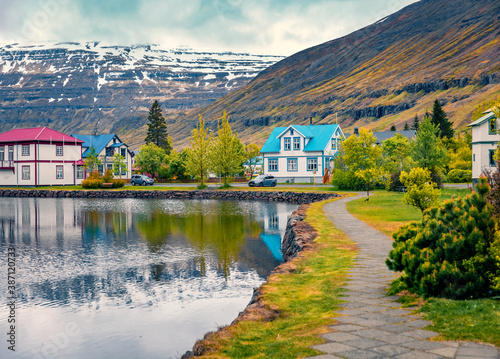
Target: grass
<point x="386" y="211"/>
<point x="473" y="320"/>
<point x="303" y="300"/>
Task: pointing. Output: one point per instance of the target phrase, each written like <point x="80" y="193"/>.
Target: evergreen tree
<point x="415" y="123"/>
<point x="227" y="154"/>
<point x="157" y="128"/>
<point x="393" y="128"/>
<point x="406" y="127"/>
<point x="440" y="119"/>
<point x="427" y="150"/>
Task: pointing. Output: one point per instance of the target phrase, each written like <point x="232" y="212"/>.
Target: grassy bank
<point x="474" y="320"/>
<point x="303" y="300"/>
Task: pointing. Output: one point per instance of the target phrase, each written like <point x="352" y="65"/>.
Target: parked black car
<point x="141" y="180"/>
<point x="263" y="180"/>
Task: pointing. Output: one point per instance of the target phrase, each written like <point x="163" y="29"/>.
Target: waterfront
<point x="130" y="277"/>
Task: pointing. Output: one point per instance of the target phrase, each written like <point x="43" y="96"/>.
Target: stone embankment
<point x="298" y="234"/>
<point x="289" y="197"/>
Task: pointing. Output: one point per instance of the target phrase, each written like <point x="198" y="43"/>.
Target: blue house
<point x="301" y="153"/>
<point x="106" y="146"/>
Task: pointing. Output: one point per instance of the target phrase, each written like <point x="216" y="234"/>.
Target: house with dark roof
<point x="40" y="156"/>
<point x="301" y="153"/>
<point x="485" y="139"/>
<point x="106" y="146"/>
<point x="381" y="136"/>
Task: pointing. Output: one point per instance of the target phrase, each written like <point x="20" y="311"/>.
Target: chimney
<point x="356" y="131"/>
<point x="310" y="121"/>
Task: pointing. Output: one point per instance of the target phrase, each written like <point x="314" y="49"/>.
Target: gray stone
<point x="420" y="334"/>
<point x="332" y="348"/>
<point x="346" y="327"/>
<point x="390" y="350"/>
<point x="339" y="337"/>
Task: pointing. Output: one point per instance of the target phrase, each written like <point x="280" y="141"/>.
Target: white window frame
<point x="59" y="150"/>
<point x="59" y="172"/>
<point x="292" y="164"/>
<point x="26" y="150"/>
<point x="26" y="173"/>
<point x="296" y="143"/>
<point x="312" y="164"/>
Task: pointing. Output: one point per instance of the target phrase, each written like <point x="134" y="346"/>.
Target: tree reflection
<point x="155" y="227"/>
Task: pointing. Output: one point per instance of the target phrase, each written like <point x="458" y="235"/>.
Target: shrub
<point x="347" y="180"/>
<point x="459" y="176"/>
<point x="90" y="183"/>
<point x="420" y="190"/>
<point x="394" y="183"/>
<point x="451" y="253"/>
<point x="118" y="183"/>
<point x="108" y="176"/>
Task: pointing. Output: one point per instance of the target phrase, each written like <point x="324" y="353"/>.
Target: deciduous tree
<point x="252" y="150"/>
<point x="198" y="156"/>
<point x="92" y="161"/>
<point x="420" y="191"/>
<point x="227" y="153"/>
<point x="150" y="158"/>
<point x="119" y="164"/>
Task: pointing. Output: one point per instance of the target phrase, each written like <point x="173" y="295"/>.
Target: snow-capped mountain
<point x="74" y="86"/>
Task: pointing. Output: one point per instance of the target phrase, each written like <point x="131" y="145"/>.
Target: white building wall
<point x="482" y="143"/>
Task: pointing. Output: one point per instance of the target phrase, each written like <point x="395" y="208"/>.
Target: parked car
<point x="263" y="180"/>
<point x="141" y="180"/>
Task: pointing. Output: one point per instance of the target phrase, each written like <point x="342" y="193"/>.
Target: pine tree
<point x="393" y="128"/>
<point x="157" y="128"/>
<point x="415" y="123"/>
<point x="440" y="119"/>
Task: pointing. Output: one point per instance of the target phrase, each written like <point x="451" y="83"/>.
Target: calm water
<point x="131" y="278"/>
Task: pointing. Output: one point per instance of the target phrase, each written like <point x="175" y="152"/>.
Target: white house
<point x="106" y="146"/>
<point x="39" y="157"/>
<point x="484" y="143"/>
<point x="301" y="153"/>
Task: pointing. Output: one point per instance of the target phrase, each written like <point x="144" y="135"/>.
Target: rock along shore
<point x="289" y="197"/>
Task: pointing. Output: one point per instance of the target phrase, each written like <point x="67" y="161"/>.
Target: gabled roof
<point x="486" y="117"/>
<point x="303" y="130"/>
<point x="37" y="134"/>
<point x="319" y="136"/>
<point x="98" y="142"/>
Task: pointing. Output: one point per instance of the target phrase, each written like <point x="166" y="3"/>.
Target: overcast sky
<point x="280" y="27"/>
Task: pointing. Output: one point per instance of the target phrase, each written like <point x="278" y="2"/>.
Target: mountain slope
<point x="76" y="87"/>
<point x="382" y="74"/>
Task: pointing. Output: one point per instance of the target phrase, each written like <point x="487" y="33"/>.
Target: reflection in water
<point x="131" y="273"/>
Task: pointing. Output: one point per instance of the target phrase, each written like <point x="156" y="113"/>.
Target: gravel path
<point x="371" y="324"/>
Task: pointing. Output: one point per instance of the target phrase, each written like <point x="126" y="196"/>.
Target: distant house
<point x="40" y="157"/>
<point x="106" y="146"/>
<point x="301" y="153"/>
<point x="484" y="143"/>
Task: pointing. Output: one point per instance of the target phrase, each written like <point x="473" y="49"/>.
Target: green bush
<point x="459" y="176"/>
<point x="394" y="183"/>
<point x="118" y="183"/>
<point x="452" y="252"/>
<point x="347" y="180"/>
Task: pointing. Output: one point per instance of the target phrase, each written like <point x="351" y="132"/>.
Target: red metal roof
<point x="36" y="134"/>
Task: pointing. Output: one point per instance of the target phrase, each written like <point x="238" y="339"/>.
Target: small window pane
<point x="26" y="150"/>
<point x="292" y="164"/>
<point x="287" y="143"/>
<point x="296" y="143"/>
<point x="26" y="172"/>
<point x="59" y="150"/>
<point x="59" y="172"/>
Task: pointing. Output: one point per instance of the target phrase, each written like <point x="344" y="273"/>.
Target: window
<point x="2" y="153"/>
<point x="59" y="172"/>
<point x="291" y="132"/>
<point x="26" y="172"/>
<point x="79" y="172"/>
<point x="59" y="150"/>
<point x="493" y="126"/>
<point x="474" y="157"/>
<point x="109" y="151"/>
<point x="288" y="144"/>
<point x="296" y="143"/>
<point x="273" y="165"/>
<point x="109" y="167"/>
<point x="292" y="165"/>
<point x="123" y="152"/>
<point x="274" y="221"/>
<point x="11" y="153"/>
<point x="492" y="158"/>
<point x="26" y="150"/>
<point x="100" y="169"/>
<point x="312" y="164"/>
<point x="334" y="144"/>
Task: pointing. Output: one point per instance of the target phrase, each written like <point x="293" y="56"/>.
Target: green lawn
<point x="474" y="320"/>
<point x="386" y="211"/>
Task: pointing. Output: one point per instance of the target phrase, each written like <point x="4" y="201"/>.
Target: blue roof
<point x="319" y="136"/>
<point x="98" y="142"/>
